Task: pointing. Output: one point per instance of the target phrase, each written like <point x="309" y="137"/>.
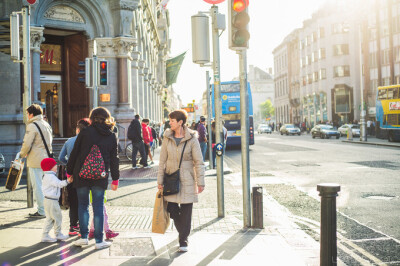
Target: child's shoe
<point x="110" y="234"/>
<point x="91" y="234"/>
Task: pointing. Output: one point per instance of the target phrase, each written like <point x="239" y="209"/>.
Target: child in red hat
<point x="51" y="190"/>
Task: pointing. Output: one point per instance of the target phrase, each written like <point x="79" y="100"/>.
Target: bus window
<point x="382" y="94"/>
<point x="390" y="93"/>
<point x="396" y="93"/>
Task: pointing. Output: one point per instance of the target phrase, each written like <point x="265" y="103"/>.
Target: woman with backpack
<point x="93" y="158"/>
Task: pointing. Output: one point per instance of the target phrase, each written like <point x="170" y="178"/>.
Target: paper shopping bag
<point x="15" y="173"/>
<point x="160" y="215"/>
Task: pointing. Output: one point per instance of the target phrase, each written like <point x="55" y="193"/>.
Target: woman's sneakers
<point x="102" y="245"/>
<point x="81" y="242"/>
<point x="110" y="234"/>
<point x="183" y="249"/>
<point x="48" y="239"/>
<point x="62" y="237"/>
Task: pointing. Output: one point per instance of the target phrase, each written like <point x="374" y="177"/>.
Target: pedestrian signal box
<point x="103" y="73"/>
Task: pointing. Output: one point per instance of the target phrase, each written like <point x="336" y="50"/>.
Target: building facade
<point x="132" y="36"/>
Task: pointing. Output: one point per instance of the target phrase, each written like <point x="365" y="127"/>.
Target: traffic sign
<point x="219" y="147"/>
<point x="31" y="2"/>
<point x="213" y="2"/>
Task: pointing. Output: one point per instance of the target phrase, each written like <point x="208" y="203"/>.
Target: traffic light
<point x="103" y="73"/>
<point x="238" y="24"/>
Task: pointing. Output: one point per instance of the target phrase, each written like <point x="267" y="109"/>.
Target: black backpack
<point x="131" y="133"/>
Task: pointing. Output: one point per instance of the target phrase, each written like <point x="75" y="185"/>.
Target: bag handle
<point x="182" y="155"/>
<point x="44" y="141"/>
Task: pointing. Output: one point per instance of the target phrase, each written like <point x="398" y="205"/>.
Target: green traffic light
<point x="241" y="37"/>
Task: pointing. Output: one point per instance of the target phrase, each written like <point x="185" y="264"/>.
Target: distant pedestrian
<point x="201" y="129"/>
<point x="135" y="135"/>
<point x="369" y="127"/>
<point x="72" y="196"/>
<point x="34" y="148"/>
<point x="176" y="140"/>
<point x="147" y="138"/>
<point x="51" y="189"/>
<point x="94" y="156"/>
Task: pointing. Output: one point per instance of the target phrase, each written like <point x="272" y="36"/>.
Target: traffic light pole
<point x="244" y="123"/>
<point x="209" y="112"/>
<point x="95" y="76"/>
<point x="218" y="111"/>
<point x="27" y="85"/>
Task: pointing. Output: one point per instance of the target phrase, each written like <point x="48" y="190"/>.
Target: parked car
<point x="290" y="129"/>
<point x="324" y="132"/>
<point x="354" y="128"/>
<point x="264" y="129"/>
<point x="2" y="164"/>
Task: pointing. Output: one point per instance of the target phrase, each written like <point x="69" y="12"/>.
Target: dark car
<point x="290" y="129"/>
<point x="324" y="132"/>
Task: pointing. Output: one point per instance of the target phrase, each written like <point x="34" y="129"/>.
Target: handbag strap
<point x="182" y="155"/>
<point x="44" y="141"/>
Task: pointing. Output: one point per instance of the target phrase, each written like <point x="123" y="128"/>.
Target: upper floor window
<point x="321" y="33"/>
<point x="340" y="28"/>
<point x="322" y="73"/>
<point x="321" y="53"/>
<point x="340" y="49"/>
<point x="341" y="71"/>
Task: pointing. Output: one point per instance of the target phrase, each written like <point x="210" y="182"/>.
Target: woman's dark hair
<point x="34" y="110"/>
<point x="83" y="123"/>
<point x="179" y="115"/>
<point x="145" y="120"/>
<point x="101" y="115"/>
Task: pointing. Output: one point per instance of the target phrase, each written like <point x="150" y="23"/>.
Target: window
<point x="373" y="59"/>
<point x="308" y="42"/>
<point x="313" y="58"/>
<point x="304" y="80"/>
<point x="385" y="57"/>
<point x="396" y="93"/>
<point x="386" y="81"/>
<point x="304" y="62"/>
<point x="310" y="78"/>
<point x="314" y="36"/>
<point x="384" y="28"/>
<point x="315" y="54"/>
<point x="322" y="53"/>
<point x="340" y="49"/>
<point x="302" y="44"/>
<point x="307" y="60"/>
<point x="392" y="93"/>
<point x="301" y="62"/>
<point x="315" y="77"/>
<point x="341" y="71"/>
<point x="382" y="94"/>
<point x="322" y="73"/>
<point x="338" y="28"/>
<point x="321" y="33"/>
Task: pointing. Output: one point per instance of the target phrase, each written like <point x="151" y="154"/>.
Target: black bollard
<point x="258" y="207"/>
<point x="328" y="241"/>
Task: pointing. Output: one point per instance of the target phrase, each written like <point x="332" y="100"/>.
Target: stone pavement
<point x="373" y="141"/>
<point x="213" y="240"/>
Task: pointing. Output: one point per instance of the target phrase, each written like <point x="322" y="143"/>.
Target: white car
<point x="264" y="129"/>
<point x="354" y="128"/>
<point x="2" y="164"/>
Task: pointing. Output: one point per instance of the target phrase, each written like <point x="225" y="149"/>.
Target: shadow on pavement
<point x="128" y="194"/>
<point x="231" y="247"/>
<point x="27" y="220"/>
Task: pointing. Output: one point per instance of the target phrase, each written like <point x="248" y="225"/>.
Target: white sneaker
<point x="81" y="242"/>
<point x="62" y="237"/>
<point x="102" y="245"/>
<point x="147" y="167"/>
<point x="183" y="249"/>
<point x="48" y="239"/>
<point x="133" y="168"/>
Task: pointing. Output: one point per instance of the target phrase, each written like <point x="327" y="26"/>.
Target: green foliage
<point x="267" y="109"/>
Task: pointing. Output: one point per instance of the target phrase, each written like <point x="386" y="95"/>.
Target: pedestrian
<point x="147" y="138"/>
<point x="154" y="134"/>
<point x="369" y="127"/>
<point x="34" y="149"/>
<point x="213" y="143"/>
<point x="373" y="128"/>
<point x="135" y="135"/>
<point x="193" y="126"/>
<point x="273" y="126"/>
<point x="191" y="173"/>
<point x="201" y="129"/>
<point x="72" y="196"/>
<point x="94" y="155"/>
<point x="51" y="191"/>
<point x="106" y="227"/>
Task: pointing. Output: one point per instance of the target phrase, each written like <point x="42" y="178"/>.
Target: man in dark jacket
<point x="202" y="136"/>
<point x="135" y="135"/>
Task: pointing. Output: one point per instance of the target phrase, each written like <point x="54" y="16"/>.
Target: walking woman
<point x="95" y="148"/>
<point x="176" y="139"/>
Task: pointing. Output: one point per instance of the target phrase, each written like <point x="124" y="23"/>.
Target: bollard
<point x="257" y="197"/>
<point x="349" y="134"/>
<point x="328" y="242"/>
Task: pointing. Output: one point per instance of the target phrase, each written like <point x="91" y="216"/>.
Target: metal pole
<point x="95" y="76"/>
<point x="27" y="86"/>
<point x="218" y="111"/>
<point x="363" y="133"/>
<point x="244" y="129"/>
<point x="209" y="116"/>
<point x="328" y="240"/>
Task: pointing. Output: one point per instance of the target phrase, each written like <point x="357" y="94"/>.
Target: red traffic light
<point x="240" y="5"/>
<point x="103" y="65"/>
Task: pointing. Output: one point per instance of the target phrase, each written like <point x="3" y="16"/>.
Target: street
<point x="288" y="166"/>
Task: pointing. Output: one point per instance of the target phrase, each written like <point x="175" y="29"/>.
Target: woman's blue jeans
<point x="83" y="211"/>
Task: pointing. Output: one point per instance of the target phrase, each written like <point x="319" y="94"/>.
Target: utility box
<point x="257" y="198"/>
<point x="200" y="39"/>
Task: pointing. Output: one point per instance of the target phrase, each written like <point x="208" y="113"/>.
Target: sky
<point x="270" y="23"/>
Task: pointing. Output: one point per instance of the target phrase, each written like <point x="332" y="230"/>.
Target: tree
<point x="267" y="109"/>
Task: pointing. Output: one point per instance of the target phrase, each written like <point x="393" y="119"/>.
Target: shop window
<point x="50" y="57"/>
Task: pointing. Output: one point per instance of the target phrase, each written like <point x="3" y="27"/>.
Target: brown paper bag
<point x="15" y="173"/>
<point x="160" y="215"/>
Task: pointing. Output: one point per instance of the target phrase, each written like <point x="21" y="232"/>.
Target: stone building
<point x="133" y="36"/>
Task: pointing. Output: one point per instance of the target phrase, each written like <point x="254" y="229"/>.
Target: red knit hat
<point x="47" y="164"/>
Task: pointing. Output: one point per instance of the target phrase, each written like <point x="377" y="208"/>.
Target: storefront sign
<point x="105" y="97"/>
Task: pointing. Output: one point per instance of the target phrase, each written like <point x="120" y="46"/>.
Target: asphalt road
<point x="368" y="203"/>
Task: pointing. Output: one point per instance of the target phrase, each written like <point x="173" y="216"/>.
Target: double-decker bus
<point x="388" y="112"/>
<point x="230" y="98"/>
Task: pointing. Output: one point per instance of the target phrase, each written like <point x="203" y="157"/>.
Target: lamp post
<point x="363" y="133"/>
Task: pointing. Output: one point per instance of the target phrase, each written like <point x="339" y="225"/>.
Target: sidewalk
<point x="213" y="240"/>
<point x="373" y="141"/>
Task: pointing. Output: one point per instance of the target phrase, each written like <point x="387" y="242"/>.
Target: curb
<point x="372" y="143"/>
